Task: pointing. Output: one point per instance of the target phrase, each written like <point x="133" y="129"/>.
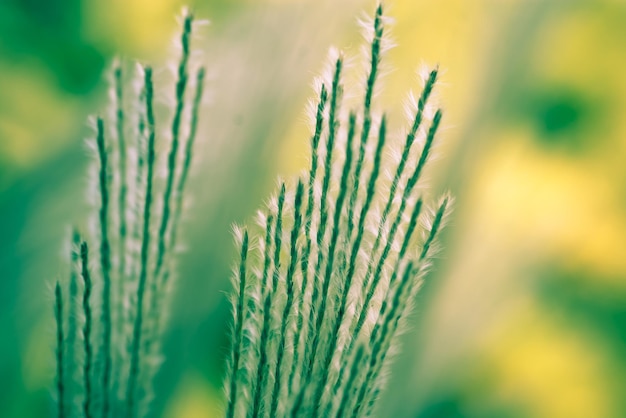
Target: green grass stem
<point x="105" y="262"/>
<point x="145" y="250"/>
<point x="289" y="280"/>
<point x="172" y="158"/>
<point x="236" y="352"/>
<point x="88" y="349"/>
<point x="60" y="351"/>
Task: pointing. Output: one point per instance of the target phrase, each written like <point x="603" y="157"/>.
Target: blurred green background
<point x="525" y="315"/>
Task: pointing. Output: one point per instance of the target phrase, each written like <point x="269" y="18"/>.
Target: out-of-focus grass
<point x="526" y="315"/>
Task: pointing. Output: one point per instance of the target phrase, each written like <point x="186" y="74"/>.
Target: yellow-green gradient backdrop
<point x="525" y="315"/>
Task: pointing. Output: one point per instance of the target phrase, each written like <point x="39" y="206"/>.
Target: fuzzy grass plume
<point x="324" y="285"/>
<point x="108" y="344"/>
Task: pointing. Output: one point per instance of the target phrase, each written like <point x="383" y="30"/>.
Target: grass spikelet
<point x="304" y="263"/>
<point x="122" y="168"/>
<point x="88" y="349"/>
<point x="261" y="371"/>
<point x="316" y="308"/>
<point x="375" y="56"/>
<point x="344" y="403"/>
<point x="363" y="262"/>
<point x="123" y="322"/>
<point x="191" y="139"/>
<point x="388" y="322"/>
<point x="412" y="181"/>
<point x="278" y="237"/>
<point x="105" y="262"/>
<point x="436" y="225"/>
<point x="410" y="138"/>
<point x="238" y="332"/>
<point x="73" y="308"/>
<point x="161" y="278"/>
<point x="371" y="188"/>
<point x="60" y="351"/>
<point x="293" y="262"/>
<point x="426" y="92"/>
<point x="145" y="250"/>
<point x="122" y="160"/>
<point x="172" y="158"/>
<point x="381" y="336"/>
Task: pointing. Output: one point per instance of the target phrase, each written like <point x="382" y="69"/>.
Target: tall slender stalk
<point x="344" y="403"/>
<point x="123" y="187"/>
<point x="375" y="57"/>
<point x="338" y="320"/>
<point x="121" y="204"/>
<point x="60" y="351"/>
<point x="317" y="298"/>
<point x="293" y="262"/>
<point x="172" y="158"/>
<point x="145" y="250"/>
<point x="236" y="352"/>
<point x="88" y="349"/>
<point x="259" y="382"/>
<point x="263" y="366"/>
<point x="370" y="287"/>
<point x="73" y="308"/>
<point x="381" y="334"/>
<point x="408" y="145"/>
<point x="304" y="259"/>
<point x="105" y="262"/>
<point x="191" y="139"/>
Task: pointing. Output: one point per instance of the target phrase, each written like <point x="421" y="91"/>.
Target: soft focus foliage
<point x="110" y="322"/>
<point x="527" y="317"/>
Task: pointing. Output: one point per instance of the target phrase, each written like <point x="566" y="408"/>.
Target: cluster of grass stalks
<point x="109" y="312"/>
<point x="324" y="285"/>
